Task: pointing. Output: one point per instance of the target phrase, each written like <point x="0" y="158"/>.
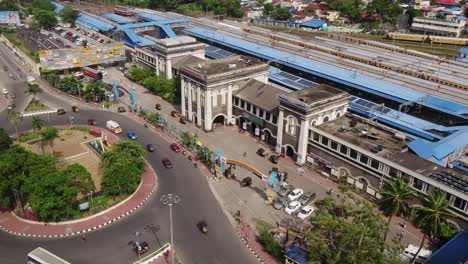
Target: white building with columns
<point x="169" y="54"/>
<point x="207" y="88"/>
<point x="301" y="110"/>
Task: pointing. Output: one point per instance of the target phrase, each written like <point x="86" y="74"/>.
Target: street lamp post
<point x="170" y="200"/>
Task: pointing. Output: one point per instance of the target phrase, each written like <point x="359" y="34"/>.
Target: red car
<point x="167" y="163"/>
<point x="175" y="147"/>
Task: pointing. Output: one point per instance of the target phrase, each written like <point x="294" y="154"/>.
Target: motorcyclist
<point x="203" y="226"/>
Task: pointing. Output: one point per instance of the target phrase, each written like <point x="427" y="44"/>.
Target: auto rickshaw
<point x="175" y="114"/>
<point x="261" y="152"/>
<point x="75" y="109"/>
<point x="203" y="227"/>
<point x="91" y="122"/>
<point x="274" y="159"/>
<point x="182" y="120"/>
<point x="158" y="106"/>
<point x="246" y="182"/>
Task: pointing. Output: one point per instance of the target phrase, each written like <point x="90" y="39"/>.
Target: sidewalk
<point x="233" y="148"/>
<point x="11" y="223"/>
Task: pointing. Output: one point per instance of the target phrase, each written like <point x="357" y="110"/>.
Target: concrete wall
<point x="29" y="64"/>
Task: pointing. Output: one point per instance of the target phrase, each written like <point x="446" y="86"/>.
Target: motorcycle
<point x="145" y="125"/>
<point x="195" y="164"/>
<point x="190" y="157"/>
<point x="184" y="153"/>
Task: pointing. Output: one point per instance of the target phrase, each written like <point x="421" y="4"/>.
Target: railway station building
<point x="314" y="127"/>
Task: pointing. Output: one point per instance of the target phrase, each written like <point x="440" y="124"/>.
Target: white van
<point x="410" y="251"/>
<point x="114" y="127"/>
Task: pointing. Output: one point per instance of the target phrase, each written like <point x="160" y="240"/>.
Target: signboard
<point x="9" y="17"/>
<point x="60" y="59"/>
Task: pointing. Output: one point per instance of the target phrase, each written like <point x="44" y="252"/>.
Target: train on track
<point x="428" y="39"/>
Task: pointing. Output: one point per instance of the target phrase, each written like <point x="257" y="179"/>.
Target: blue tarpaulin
<point x="297" y="254"/>
<point x="314" y="23"/>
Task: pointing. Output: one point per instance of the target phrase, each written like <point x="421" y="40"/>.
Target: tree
<point x="269" y="243"/>
<point x="52" y="78"/>
<point x="122" y="166"/>
<point x="37" y="123"/>
<point x="95" y="92"/>
<point x="138" y="74"/>
<point x="268" y="9"/>
<point x="412" y="13"/>
<point x="394" y="197"/>
<point x="33" y="90"/>
<point x="49" y="134"/>
<point x="5" y="140"/>
<point x="45" y="19"/>
<point x="70" y="85"/>
<point x="432" y="215"/>
<point x="171" y="4"/>
<point x="347" y="231"/>
<point x="15" y="118"/>
<point x="281" y="13"/>
<point x="69" y="15"/>
<point x="43" y="5"/>
<point x="80" y="177"/>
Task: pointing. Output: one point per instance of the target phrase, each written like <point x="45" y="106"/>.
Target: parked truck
<point x="92" y="73"/>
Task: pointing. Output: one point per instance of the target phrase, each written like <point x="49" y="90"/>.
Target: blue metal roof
<point x="213" y="52"/>
<point x="58" y="7"/>
<point x="463" y="50"/>
<point x="94" y="23"/>
<point x="165" y="30"/>
<point x="349" y="78"/>
<point x="118" y="18"/>
<point x="150" y="17"/>
<point x="437" y="151"/>
<point x="298" y="254"/>
<point x="289" y="80"/>
<point x="314" y="23"/>
<point x="453" y="251"/>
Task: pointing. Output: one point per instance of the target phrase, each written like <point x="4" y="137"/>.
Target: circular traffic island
<point x="70" y="180"/>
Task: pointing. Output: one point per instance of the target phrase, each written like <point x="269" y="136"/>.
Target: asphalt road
<point x="110" y="244"/>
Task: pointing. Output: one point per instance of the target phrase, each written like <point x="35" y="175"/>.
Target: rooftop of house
<point x="177" y="41"/>
<point x="316" y="94"/>
<point x="225" y="65"/>
<point x="390" y="144"/>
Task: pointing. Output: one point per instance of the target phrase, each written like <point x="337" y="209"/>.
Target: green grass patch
<point x="29" y="137"/>
<point x="36" y="105"/>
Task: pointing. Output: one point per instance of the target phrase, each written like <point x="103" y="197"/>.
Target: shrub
<point x="269" y="243"/>
<point x="29" y="136"/>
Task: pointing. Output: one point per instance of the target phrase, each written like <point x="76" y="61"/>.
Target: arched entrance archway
<point x="289" y="151"/>
<point x="218" y="120"/>
<point x="267" y="136"/>
<point x="194" y="118"/>
<point x="253" y="126"/>
<point x="362" y="183"/>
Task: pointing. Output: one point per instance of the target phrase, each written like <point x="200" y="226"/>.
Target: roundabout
<point x="110" y="244"/>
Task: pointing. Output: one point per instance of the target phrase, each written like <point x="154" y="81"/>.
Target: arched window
<point x="291" y="123"/>
<point x="215" y="98"/>
<point x="223" y="96"/>
<point x="313" y="123"/>
<point x="325" y="119"/>
<point x="338" y="114"/>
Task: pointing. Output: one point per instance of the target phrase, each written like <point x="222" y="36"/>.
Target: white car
<point x="104" y="73"/>
<point x="4" y="91"/>
<point x="295" y="194"/>
<point x="292" y="207"/>
<point x="78" y="74"/>
<point x="305" y="212"/>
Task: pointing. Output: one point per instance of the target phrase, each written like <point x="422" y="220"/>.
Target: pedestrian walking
<point x="245" y="154"/>
<point x="84" y="237"/>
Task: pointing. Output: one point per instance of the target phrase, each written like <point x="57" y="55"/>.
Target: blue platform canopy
<point x="118" y="18"/>
<point x="454" y="251"/>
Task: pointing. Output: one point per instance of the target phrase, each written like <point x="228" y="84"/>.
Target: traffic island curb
<point x="148" y="169"/>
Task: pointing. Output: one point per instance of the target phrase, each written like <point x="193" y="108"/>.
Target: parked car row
<point x="292" y="199"/>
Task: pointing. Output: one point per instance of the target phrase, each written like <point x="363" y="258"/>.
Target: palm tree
<point x="49" y="135"/>
<point x="431" y="216"/>
<point x="33" y="90"/>
<point x="15" y="118"/>
<point x="37" y="123"/>
<point x="395" y="193"/>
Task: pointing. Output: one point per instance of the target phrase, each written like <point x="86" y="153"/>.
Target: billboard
<point x="60" y="59"/>
<point x="9" y="17"/>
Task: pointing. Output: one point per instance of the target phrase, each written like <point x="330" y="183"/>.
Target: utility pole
<point x="170" y="200"/>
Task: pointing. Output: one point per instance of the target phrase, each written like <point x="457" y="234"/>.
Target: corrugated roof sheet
<point x="298" y="254"/>
<point x="463" y="50"/>
<point x="349" y="78"/>
<point x="58" y="7"/>
<point x="314" y="23"/>
<point x="453" y="251"/>
<point x="94" y="23"/>
<point x="118" y="18"/>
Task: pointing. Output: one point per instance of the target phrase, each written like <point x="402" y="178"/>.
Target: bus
<point x="42" y="256"/>
<point x="114" y="127"/>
